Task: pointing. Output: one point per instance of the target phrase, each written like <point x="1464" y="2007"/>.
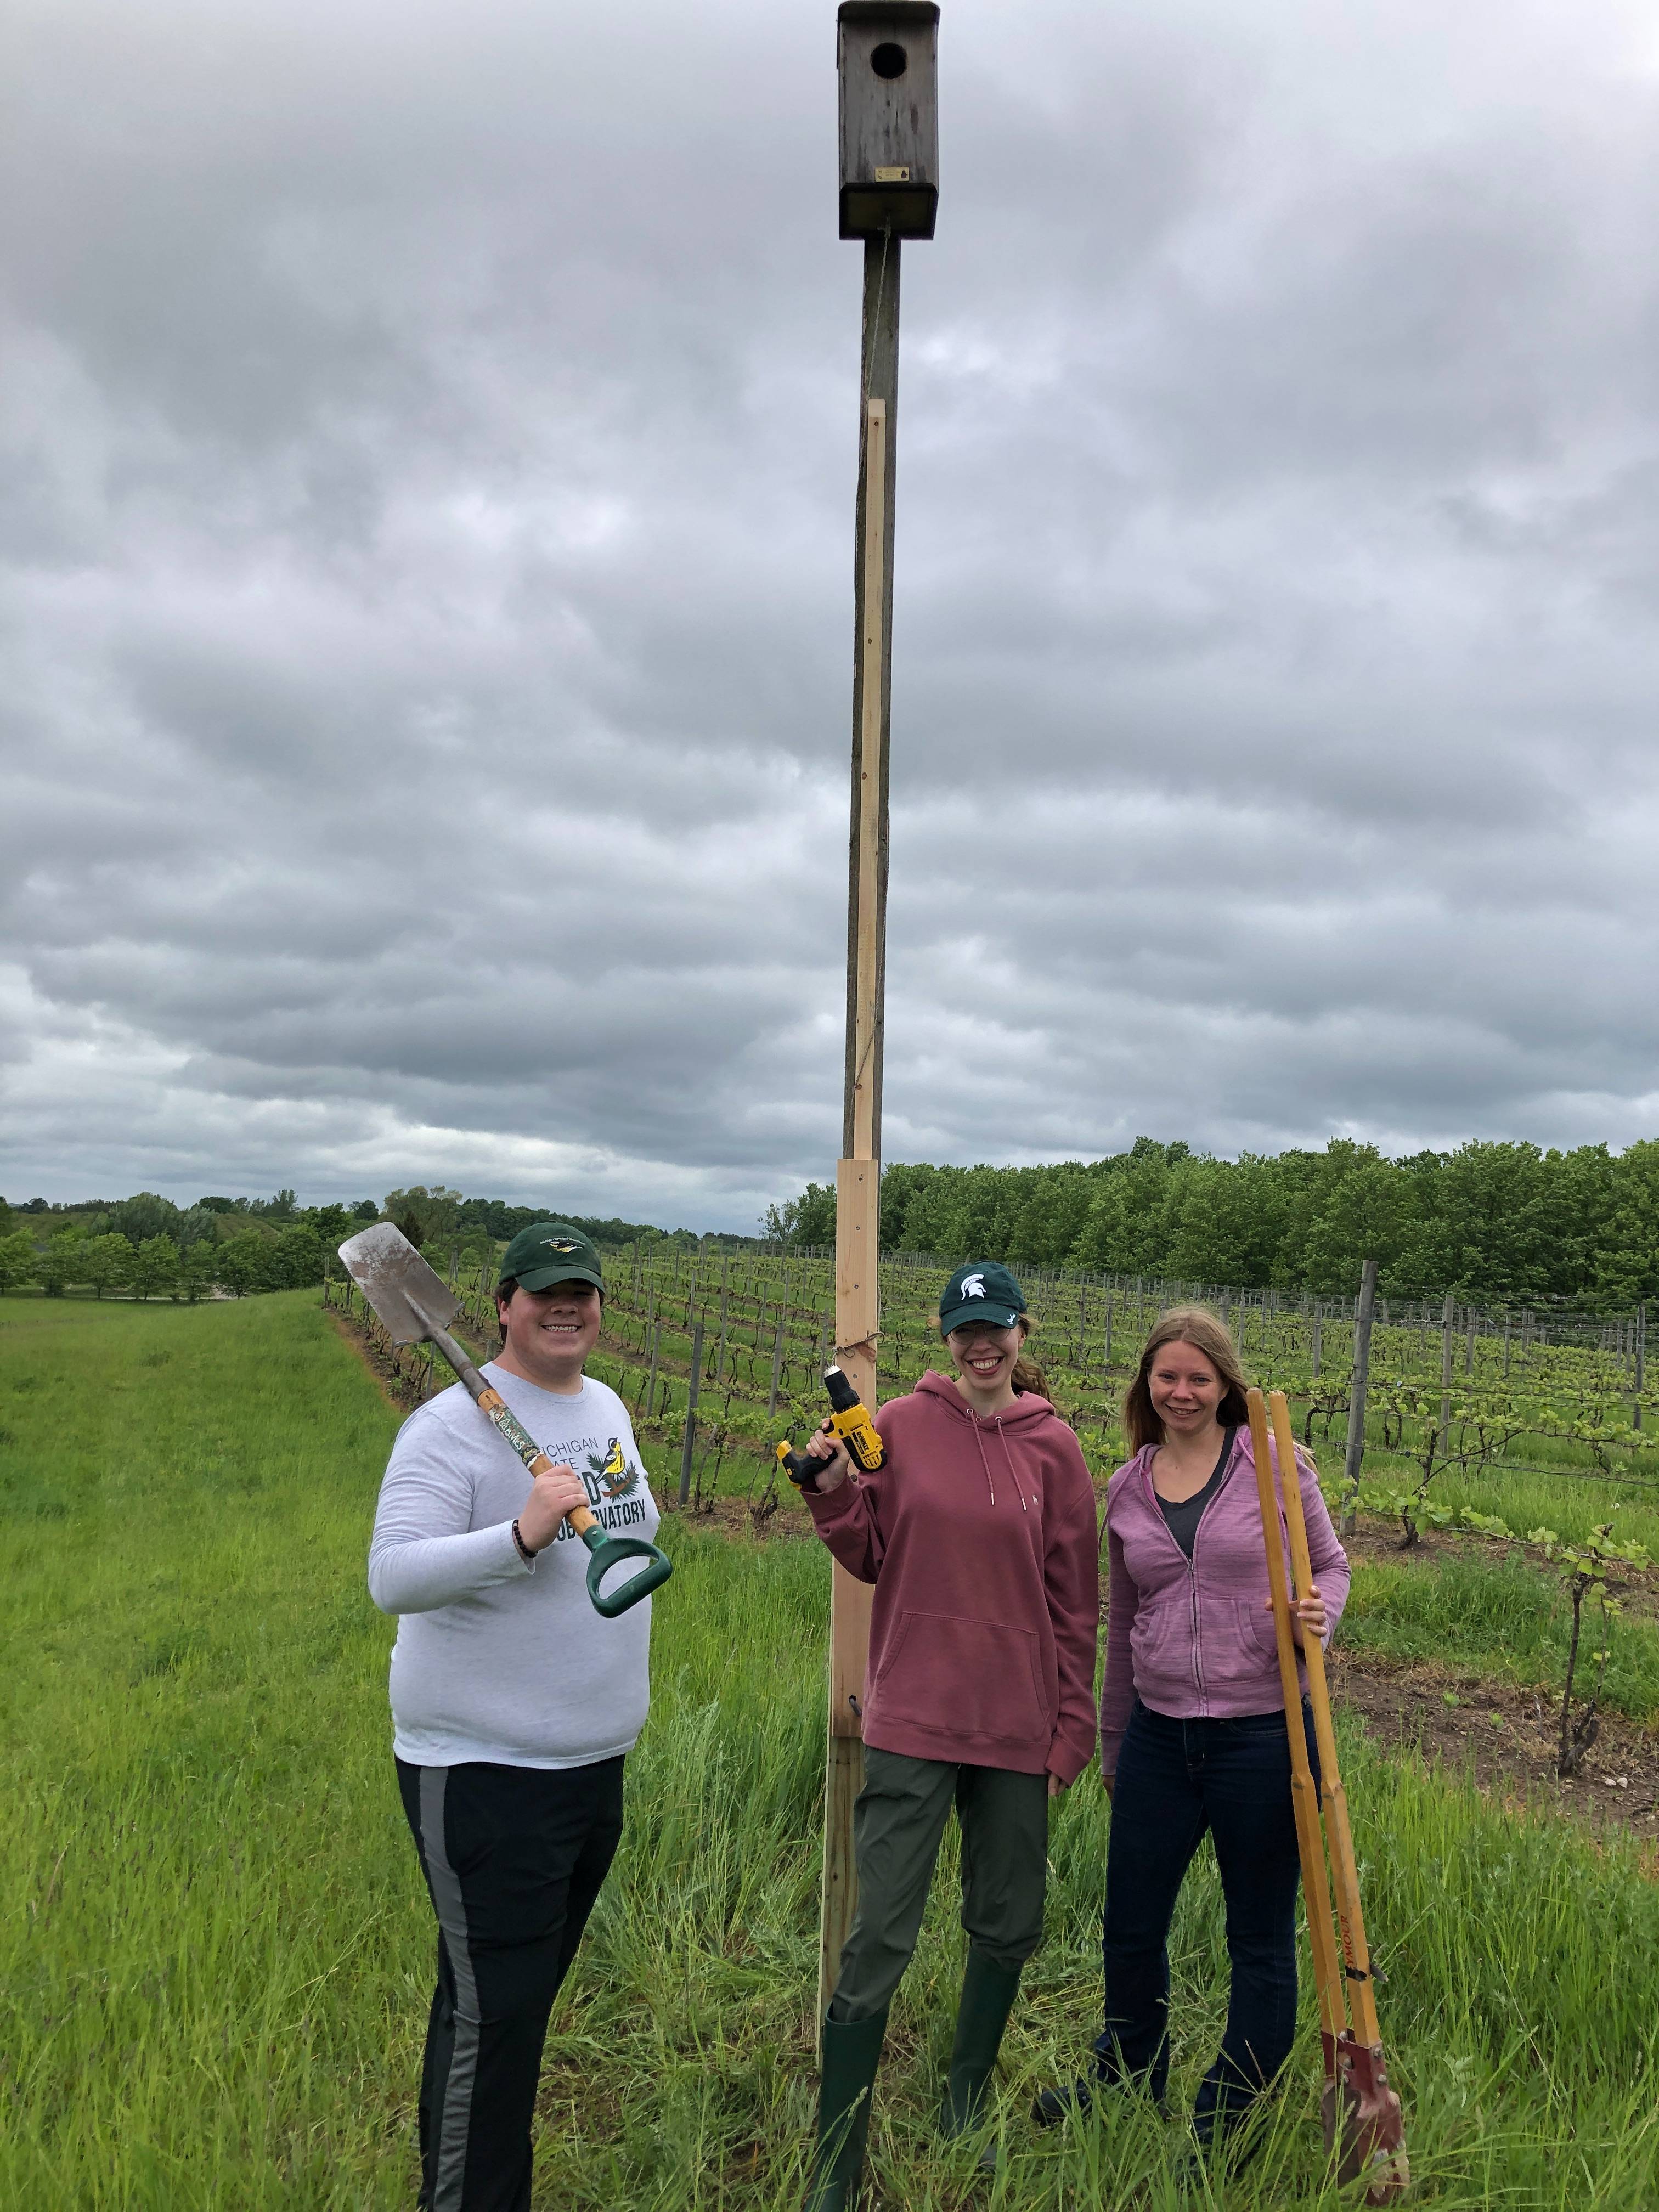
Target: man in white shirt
<point x="514" y="1702"/>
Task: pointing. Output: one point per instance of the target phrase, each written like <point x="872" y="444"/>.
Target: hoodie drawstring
<point x="1007" y="1455"/>
<point x="983" y="1462"/>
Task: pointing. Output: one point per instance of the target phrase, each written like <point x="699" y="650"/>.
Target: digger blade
<point x="1362" y="2121"/>
<point x="395" y="1279"/>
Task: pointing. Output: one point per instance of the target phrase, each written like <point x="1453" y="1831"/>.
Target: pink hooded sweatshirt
<point x="980" y="1539"/>
<point x="1193" y="1638"/>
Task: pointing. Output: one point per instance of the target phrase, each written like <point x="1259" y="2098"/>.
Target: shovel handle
<point x="606" y="1551"/>
<point x="492" y="1402"/>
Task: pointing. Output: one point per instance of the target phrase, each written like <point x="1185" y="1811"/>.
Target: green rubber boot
<point x="987" y="1997"/>
<point x="850" y="2053"/>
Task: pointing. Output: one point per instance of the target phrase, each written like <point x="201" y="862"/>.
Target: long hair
<point x="1028" y="1374"/>
<point x="1206" y="1333"/>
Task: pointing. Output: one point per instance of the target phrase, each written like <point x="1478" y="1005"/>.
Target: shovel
<point x="1360" y="2112"/>
<point x="416" y="1307"/>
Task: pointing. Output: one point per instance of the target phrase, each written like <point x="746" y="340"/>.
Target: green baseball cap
<point x="550" y="1252"/>
<point x="982" y="1291"/>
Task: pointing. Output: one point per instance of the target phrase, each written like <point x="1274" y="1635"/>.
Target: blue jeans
<point x="1174" y="1779"/>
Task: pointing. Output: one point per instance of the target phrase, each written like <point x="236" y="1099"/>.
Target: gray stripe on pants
<point x="454" y="2122"/>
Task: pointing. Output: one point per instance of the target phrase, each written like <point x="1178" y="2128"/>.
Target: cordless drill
<point x="853" y="1424"/>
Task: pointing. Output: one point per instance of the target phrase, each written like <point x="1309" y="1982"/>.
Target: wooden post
<point x="1447" y="1316"/>
<point x="1354" y="1457"/>
<point x="858" y="1173"/>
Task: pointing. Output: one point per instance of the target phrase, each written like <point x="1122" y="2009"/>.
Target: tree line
<point x="1494" y="1223"/>
<point x="147" y="1246"/>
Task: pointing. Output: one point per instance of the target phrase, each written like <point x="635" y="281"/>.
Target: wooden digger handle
<point x="1344" y="1869"/>
<point x="1327" y="1975"/>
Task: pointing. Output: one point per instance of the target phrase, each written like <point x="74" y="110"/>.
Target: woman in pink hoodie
<point x="978" y="1533"/>
<point x="1192" y="1722"/>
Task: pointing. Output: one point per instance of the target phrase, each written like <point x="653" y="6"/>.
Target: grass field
<point x="217" y="1952"/>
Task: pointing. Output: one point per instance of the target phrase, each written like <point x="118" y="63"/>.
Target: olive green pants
<point x="897" y="1825"/>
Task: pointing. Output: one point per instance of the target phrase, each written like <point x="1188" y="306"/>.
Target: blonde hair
<point x="1206" y="1333"/>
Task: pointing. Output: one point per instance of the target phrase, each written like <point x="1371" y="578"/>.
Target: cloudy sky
<point x="426" y="550"/>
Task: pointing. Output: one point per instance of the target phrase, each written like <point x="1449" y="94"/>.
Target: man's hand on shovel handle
<point x="558" y="1491"/>
<point x="1307" y="1613"/>
<point x="827" y="1447"/>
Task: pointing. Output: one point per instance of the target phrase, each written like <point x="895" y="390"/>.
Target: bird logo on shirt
<point x="616" y="1477"/>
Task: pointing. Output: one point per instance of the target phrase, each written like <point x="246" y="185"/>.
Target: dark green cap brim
<point x="542" y="1279"/>
<point x="979" y="1310"/>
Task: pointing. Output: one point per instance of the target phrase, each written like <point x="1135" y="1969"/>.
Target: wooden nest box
<point x="887" y="55"/>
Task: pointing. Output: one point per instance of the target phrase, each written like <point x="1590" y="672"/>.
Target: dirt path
<point x="1502" y="1740"/>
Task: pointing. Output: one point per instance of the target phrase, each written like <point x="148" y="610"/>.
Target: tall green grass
<point x="216" y="1953"/>
<point x="1500" y="1616"/>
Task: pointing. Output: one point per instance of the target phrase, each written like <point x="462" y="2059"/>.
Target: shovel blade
<point x="395" y="1279"/>
<point x="1362" y="2125"/>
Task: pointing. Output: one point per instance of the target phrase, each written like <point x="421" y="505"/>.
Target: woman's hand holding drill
<point x="827" y="1448"/>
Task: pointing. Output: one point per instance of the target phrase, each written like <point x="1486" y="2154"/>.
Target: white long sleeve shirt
<point x="496" y="1660"/>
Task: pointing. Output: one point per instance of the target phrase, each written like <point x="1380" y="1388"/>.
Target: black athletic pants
<point x="513" y="1857"/>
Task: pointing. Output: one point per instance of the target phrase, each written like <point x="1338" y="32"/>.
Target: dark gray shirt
<point x="1183" y="1514"/>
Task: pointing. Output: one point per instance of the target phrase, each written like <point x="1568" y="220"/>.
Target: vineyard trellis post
<point x="690" y="1445"/>
<point x="777" y="1366"/>
<point x="1639" y="1358"/>
<point x="1448" y="1315"/>
<point x="889" y="190"/>
<point x="1354" y="1457"/>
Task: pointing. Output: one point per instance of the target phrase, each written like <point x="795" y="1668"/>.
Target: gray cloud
<point x="427" y="445"/>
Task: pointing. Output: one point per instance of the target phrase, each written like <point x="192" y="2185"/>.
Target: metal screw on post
<point x="1354" y="1457"/>
<point x="688" y="1447"/>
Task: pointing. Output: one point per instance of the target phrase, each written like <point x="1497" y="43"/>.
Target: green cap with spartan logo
<point x="550" y="1252"/>
<point x="980" y="1291"/>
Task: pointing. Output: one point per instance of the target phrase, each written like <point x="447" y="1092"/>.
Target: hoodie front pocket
<point x="968" y="1678"/>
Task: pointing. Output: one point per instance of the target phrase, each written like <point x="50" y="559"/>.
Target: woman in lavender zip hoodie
<point x="1192" y="1722"/>
<point x="978" y="1533"/>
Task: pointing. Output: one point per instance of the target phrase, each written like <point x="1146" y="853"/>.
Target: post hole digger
<point x="416" y="1307"/>
<point x="1359" y="2111"/>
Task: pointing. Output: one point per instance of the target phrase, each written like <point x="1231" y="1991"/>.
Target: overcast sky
<point x="429" y="436"/>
